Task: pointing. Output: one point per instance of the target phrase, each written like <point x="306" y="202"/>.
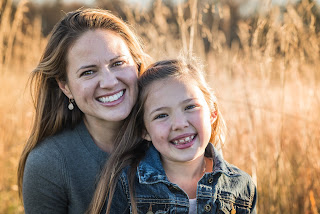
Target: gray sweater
<point x="61" y="173"/>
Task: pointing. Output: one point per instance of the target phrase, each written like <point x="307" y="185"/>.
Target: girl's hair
<point x="131" y="148"/>
<point x="51" y="113"/>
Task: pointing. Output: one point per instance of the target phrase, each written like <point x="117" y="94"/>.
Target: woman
<point x="85" y="85"/>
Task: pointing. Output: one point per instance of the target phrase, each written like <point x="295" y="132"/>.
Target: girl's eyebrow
<point x="117" y="57"/>
<point x="157" y="109"/>
<point x="189" y="100"/>
<point x="162" y="108"/>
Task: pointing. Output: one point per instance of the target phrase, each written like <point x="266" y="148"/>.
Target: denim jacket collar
<point x="150" y="169"/>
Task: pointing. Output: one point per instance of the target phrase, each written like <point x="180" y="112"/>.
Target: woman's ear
<point x="63" y="85"/>
<point x="213" y="116"/>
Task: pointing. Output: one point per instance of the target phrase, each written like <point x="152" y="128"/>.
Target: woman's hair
<point x="51" y="112"/>
<point x="131" y="148"/>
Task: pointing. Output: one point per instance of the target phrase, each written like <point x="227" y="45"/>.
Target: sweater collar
<point x="86" y="139"/>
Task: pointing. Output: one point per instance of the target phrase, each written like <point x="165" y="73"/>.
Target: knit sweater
<point x="61" y="173"/>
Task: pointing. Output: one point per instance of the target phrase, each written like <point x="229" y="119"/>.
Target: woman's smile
<point x="111" y="98"/>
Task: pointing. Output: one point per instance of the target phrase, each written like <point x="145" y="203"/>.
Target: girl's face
<point x="101" y="77"/>
<point x="177" y="119"/>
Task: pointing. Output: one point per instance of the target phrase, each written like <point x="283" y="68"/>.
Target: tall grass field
<point x="264" y="70"/>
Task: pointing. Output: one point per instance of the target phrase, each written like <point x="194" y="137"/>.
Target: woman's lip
<point x="105" y="101"/>
<point x="111" y="94"/>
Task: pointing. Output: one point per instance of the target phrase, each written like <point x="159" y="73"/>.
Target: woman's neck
<point x="103" y="133"/>
<point x="187" y="174"/>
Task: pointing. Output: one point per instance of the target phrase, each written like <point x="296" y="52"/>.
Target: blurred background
<point x="262" y="59"/>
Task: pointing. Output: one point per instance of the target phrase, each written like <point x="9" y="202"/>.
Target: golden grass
<point x="268" y="91"/>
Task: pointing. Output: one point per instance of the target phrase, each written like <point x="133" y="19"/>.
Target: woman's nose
<point x="108" y="79"/>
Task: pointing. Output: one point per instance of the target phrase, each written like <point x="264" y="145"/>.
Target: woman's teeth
<point x="183" y="140"/>
<point x="111" y="98"/>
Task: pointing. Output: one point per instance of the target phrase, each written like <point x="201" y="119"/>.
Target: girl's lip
<point x="187" y="144"/>
<point x="183" y="136"/>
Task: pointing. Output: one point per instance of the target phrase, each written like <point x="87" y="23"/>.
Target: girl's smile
<point x="183" y="142"/>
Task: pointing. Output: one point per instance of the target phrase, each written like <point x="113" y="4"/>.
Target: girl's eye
<point x="160" y="116"/>
<point x="190" y="107"/>
<point x="86" y="73"/>
<point x="118" y="63"/>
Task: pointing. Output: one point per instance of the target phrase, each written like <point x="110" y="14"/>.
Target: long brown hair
<point x="131" y="148"/>
<point x="51" y="113"/>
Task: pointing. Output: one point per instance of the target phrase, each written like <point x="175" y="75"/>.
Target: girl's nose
<point x="179" y="122"/>
<point x="108" y="79"/>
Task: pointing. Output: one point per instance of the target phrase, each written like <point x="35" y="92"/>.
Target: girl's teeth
<point x="111" y="98"/>
<point x="183" y="141"/>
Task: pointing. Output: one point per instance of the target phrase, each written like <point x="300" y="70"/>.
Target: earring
<point x="71" y="106"/>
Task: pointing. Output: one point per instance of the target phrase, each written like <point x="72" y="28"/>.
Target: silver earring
<point x="71" y="106"/>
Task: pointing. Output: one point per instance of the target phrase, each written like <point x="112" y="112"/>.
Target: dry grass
<point x="19" y="52"/>
<point x="268" y="91"/>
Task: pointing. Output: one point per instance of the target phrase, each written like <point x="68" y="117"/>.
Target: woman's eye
<point x="86" y="73"/>
<point x="190" y="107"/>
<point x="160" y="116"/>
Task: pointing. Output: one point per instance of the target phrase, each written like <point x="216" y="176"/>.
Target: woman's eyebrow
<point x="93" y="65"/>
<point x="86" y="66"/>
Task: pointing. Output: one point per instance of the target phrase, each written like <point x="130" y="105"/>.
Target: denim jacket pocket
<point x="153" y="206"/>
<point x="227" y="203"/>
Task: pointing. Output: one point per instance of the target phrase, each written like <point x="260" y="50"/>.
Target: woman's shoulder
<point x="54" y="149"/>
<point x="63" y="141"/>
<point x="47" y="155"/>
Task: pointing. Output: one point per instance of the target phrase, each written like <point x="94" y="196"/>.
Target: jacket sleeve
<point x="254" y="201"/>
<point x="44" y="183"/>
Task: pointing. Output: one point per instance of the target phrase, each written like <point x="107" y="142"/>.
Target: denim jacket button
<point x="207" y="208"/>
<point x="210" y="180"/>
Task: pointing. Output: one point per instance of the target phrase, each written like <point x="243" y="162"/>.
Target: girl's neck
<point x="103" y="133"/>
<point x="187" y="174"/>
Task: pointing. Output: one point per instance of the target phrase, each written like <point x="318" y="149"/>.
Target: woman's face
<point x="101" y="77"/>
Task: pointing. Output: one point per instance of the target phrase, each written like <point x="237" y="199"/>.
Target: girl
<point x="175" y="167"/>
<point x="85" y="86"/>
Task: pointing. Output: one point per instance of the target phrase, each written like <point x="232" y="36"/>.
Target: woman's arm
<point x="44" y="183"/>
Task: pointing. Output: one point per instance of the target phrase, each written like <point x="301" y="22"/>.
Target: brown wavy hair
<point x="131" y="148"/>
<point x="51" y="113"/>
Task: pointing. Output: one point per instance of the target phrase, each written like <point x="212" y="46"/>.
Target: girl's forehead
<point x="181" y="79"/>
<point x="172" y="82"/>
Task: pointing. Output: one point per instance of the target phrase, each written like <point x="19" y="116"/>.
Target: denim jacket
<point x="226" y="189"/>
